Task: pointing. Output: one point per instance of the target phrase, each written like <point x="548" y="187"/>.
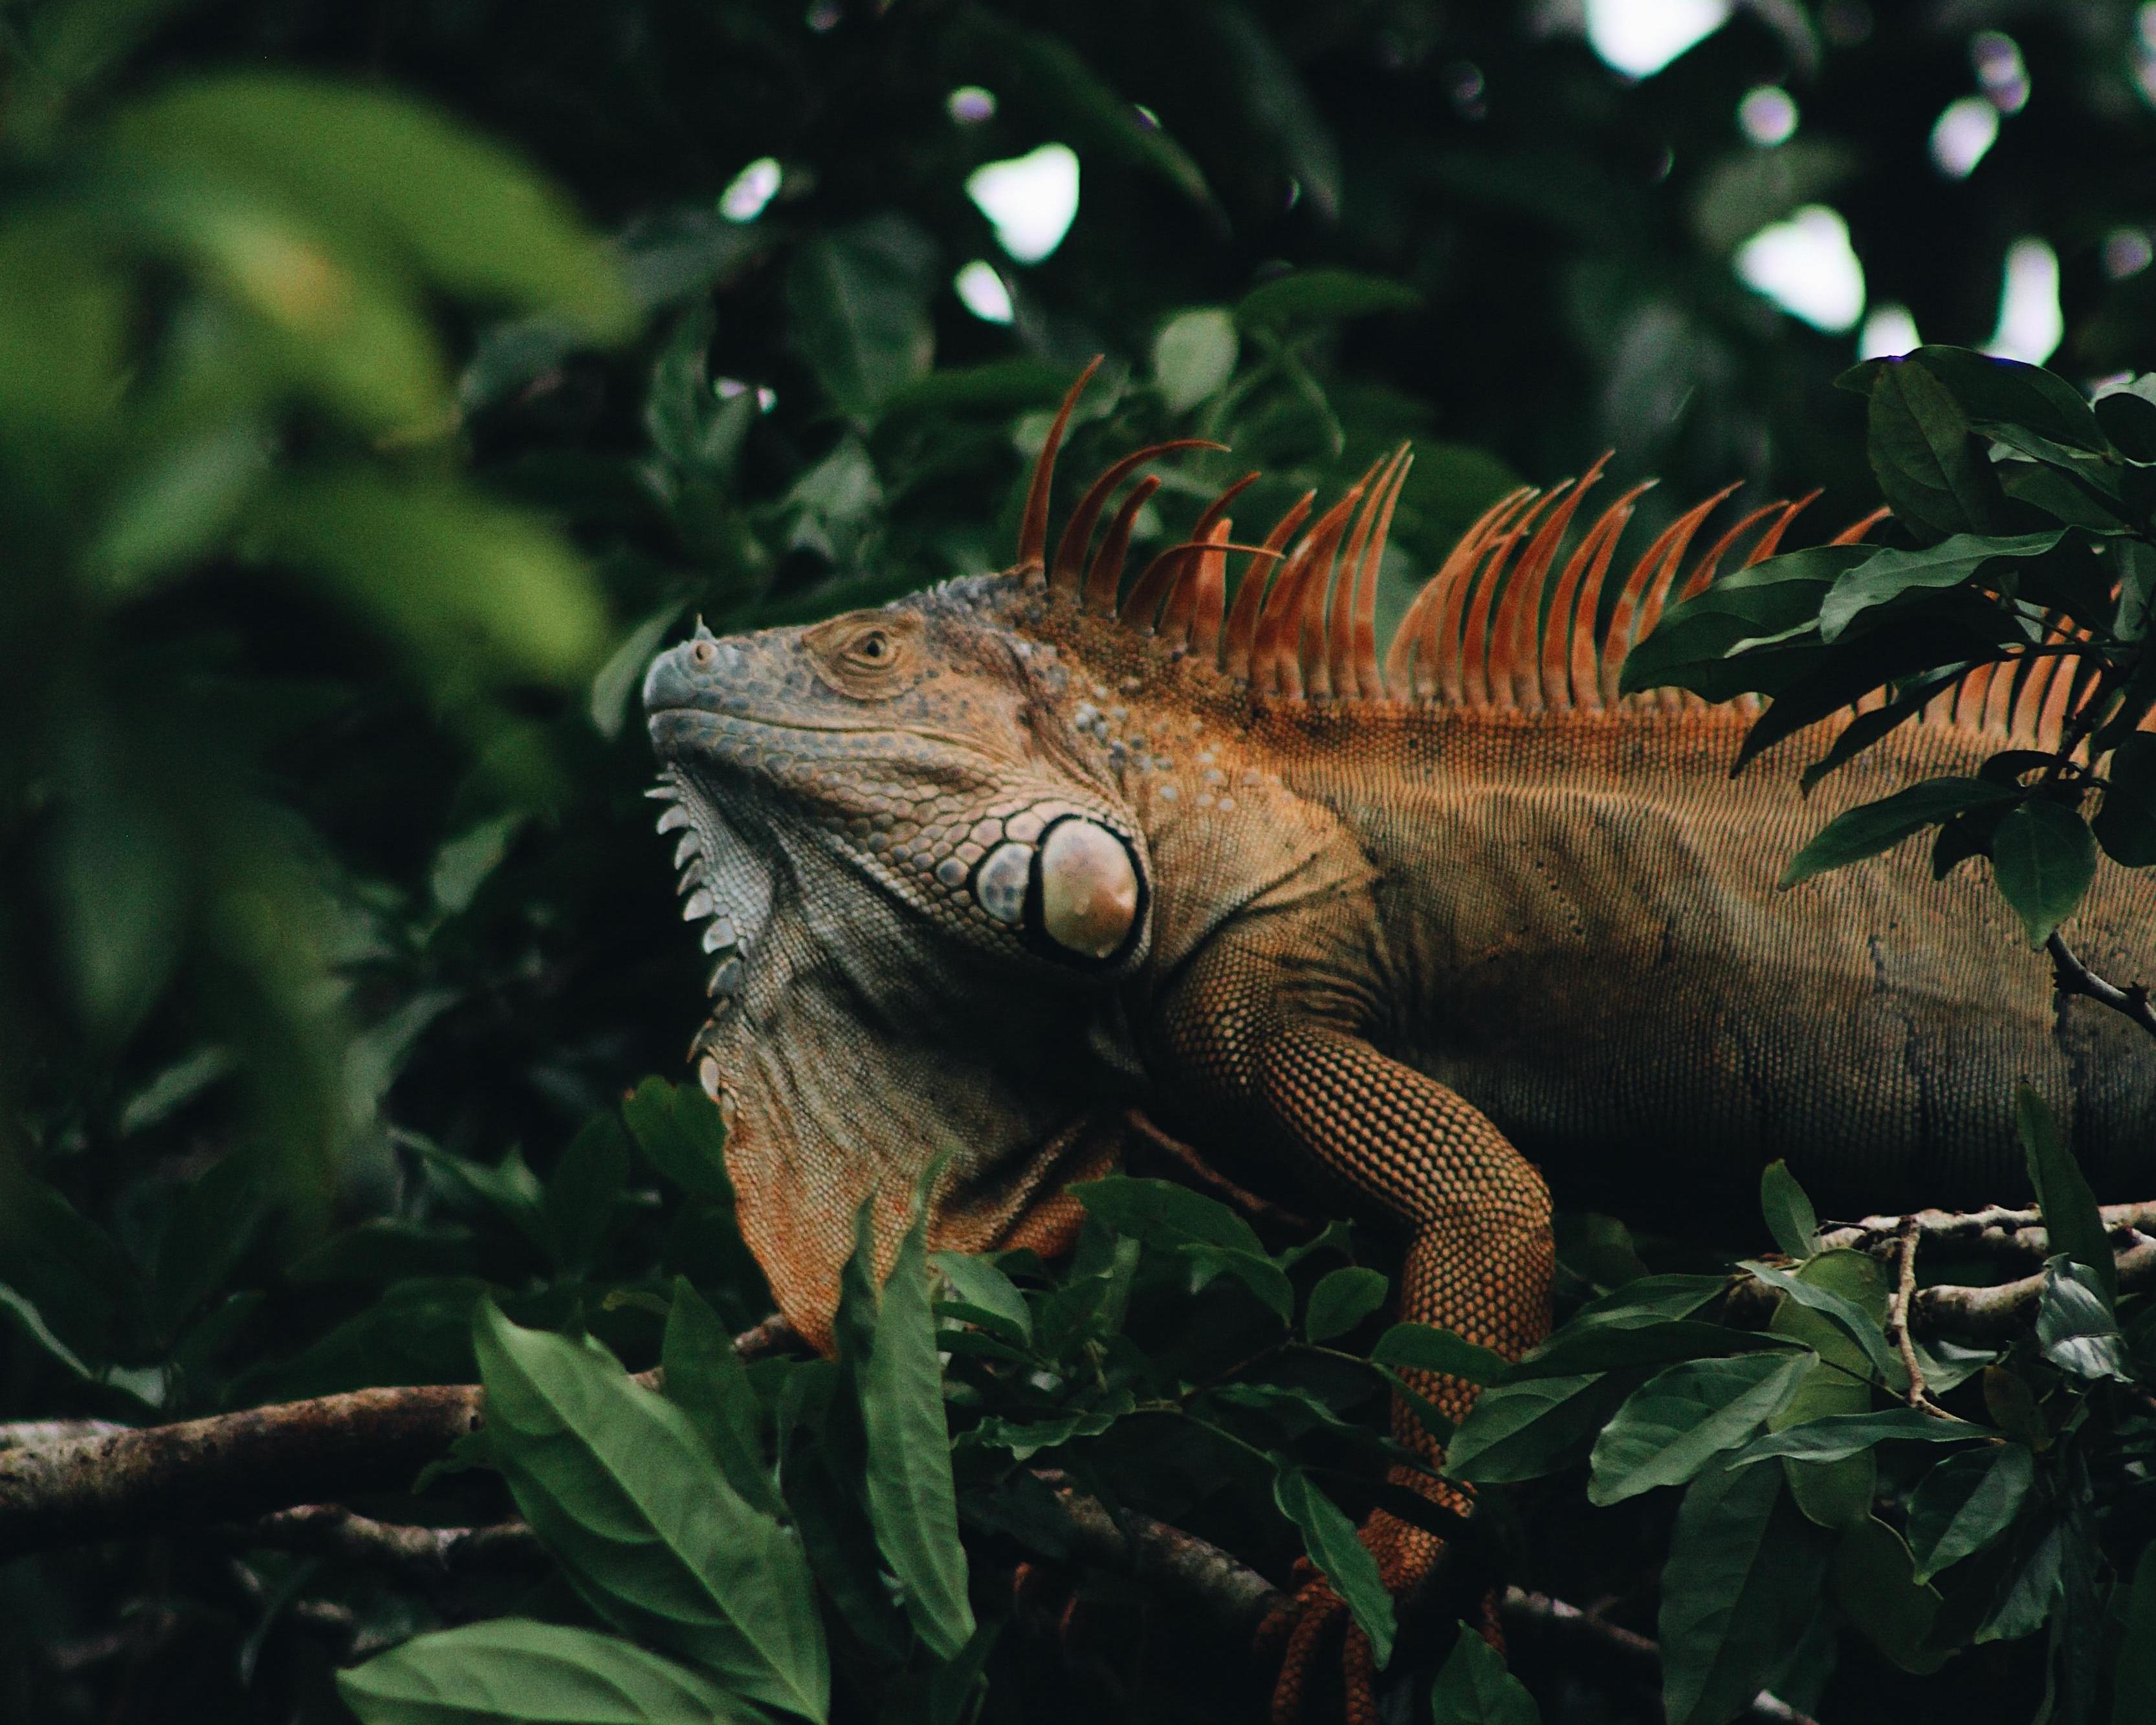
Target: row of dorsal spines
<point x="1511" y="620"/>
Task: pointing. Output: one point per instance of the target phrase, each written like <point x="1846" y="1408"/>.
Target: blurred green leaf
<point x="1318" y="296"/>
<point x="2134" y="1682"/>
<point x="2073" y="1224"/>
<point x="580" y="1195"/>
<point x="859" y="299"/>
<point x="510" y="1671"/>
<point x="705" y="1376"/>
<point x="1194" y="356"/>
<point x="679" y="1128"/>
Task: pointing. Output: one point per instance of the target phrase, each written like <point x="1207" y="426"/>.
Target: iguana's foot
<point x="1316" y="1618"/>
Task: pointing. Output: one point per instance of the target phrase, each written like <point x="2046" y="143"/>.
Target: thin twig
<point x="2069" y="976"/>
<point x="1897" y="1317"/>
<point x="1995" y="1229"/>
<point x="426" y="1556"/>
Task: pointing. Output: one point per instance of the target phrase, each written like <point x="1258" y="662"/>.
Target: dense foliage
<point x="379" y="384"/>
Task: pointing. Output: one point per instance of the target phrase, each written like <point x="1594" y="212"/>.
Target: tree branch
<point x="2069" y="976"/>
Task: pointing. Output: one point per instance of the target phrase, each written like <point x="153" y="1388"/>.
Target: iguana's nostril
<point x="705" y="653"/>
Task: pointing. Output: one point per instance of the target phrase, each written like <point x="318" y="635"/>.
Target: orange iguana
<point x="988" y="866"/>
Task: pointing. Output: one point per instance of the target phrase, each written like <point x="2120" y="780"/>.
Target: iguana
<point x="986" y="867"/>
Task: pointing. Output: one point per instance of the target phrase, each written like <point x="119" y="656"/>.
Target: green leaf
<point x="2043" y="859"/>
<point x="1680" y="1420"/>
<point x="2028" y="1589"/>
<point x="1871" y="1579"/>
<point x="2134" y="1682"/>
<point x="1426" y="1347"/>
<point x="1871" y="828"/>
<point x="1207" y="1232"/>
<point x="1522" y="1431"/>
<point x="1696" y="644"/>
<point x="1931" y="469"/>
<point x="1473" y="1688"/>
<point x="627" y="1493"/>
<point x="1964" y="1503"/>
<point x="1839" y="1434"/>
<point x="1307" y="296"/>
<point x="679" y="1128"/>
<point x="913" y="1503"/>
<point x="2073" y="1224"/>
<point x="2075" y="1326"/>
<point x="2129" y="421"/>
<point x="858" y="300"/>
<point x="1744" y="1573"/>
<point x="1279" y="105"/>
<point x="1341" y="1301"/>
<point x="705" y="1377"/>
<point x="995" y="1301"/>
<point x="1859" y="1325"/>
<point x="1329" y="1536"/>
<point x="2125" y="822"/>
<point x="1889" y="573"/>
<point x="1992" y="391"/>
<point x="1790" y="1217"/>
<point x="1834" y="1494"/>
<point x="510" y="1671"/>
<point x="1194" y="357"/>
<point x="1608" y="1347"/>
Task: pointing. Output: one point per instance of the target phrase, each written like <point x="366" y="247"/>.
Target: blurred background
<point x="381" y="383"/>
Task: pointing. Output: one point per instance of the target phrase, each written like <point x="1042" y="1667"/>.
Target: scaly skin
<point x="1405" y="930"/>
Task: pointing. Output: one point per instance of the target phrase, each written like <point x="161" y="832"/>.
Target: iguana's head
<point x="919" y="885"/>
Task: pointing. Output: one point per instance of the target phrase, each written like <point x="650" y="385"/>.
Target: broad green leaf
<point x="679" y="1128"/>
<point x="1931" y="470"/>
<point x="1522" y="1431"/>
<point x="1210" y="1235"/>
<point x="1026" y="1439"/>
<point x="1890" y="572"/>
<point x="2072" y="1223"/>
<point x="1839" y="1434"/>
<point x="1194" y="356"/>
<point x="1871" y="1579"/>
<point x="858" y="298"/>
<point x="2134" y="1682"/>
<point x="1835" y="1494"/>
<point x="705" y="1377"/>
<point x="913" y="1503"/>
<point x="1990" y="390"/>
<point x="1426" y="1347"/>
<point x="1695" y="644"/>
<point x="1602" y="1347"/>
<point x="1744" y="1573"/>
<point x="1329" y="1536"/>
<point x="1341" y="1301"/>
<point x="1859" y="1325"/>
<point x="70" y="1270"/>
<point x="1321" y="296"/>
<point x="1473" y="1688"/>
<point x="991" y="1293"/>
<point x="2043" y="859"/>
<point x="628" y="1495"/>
<point x="1965" y="1502"/>
<point x="510" y="1671"/>
<point x="1648" y="1300"/>
<point x="1871" y="828"/>
<point x="2125" y="822"/>
<point x="1680" y="1420"/>
<point x="1790" y="1217"/>
<point x="2075" y="1325"/>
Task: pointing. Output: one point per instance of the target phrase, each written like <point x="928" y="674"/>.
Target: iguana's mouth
<point x="769" y="721"/>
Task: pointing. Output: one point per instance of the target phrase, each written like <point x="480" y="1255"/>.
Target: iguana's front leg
<point x="1276" y="1051"/>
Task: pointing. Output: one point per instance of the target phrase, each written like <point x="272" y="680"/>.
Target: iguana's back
<point x="1592" y="949"/>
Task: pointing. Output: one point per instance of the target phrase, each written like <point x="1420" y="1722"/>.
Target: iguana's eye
<point x="870" y="655"/>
